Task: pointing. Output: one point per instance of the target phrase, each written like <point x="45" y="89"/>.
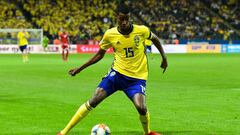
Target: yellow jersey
<point x="22" y="38"/>
<point x="129" y="50"/>
<point x="148" y="42"/>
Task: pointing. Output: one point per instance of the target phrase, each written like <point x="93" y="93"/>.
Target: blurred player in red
<point x="65" y="45"/>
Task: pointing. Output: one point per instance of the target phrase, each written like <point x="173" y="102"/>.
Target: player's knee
<point x="93" y="103"/>
<point x="99" y="95"/>
<point x="142" y="109"/>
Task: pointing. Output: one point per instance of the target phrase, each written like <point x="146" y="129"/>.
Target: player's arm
<point x="27" y="35"/>
<point x="18" y="35"/>
<point x="97" y="57"/>
<point x="68" y="38"/>
<point x="60" y="38"/>
<point x="157" y="43"/>
<point x="104" y="45"/>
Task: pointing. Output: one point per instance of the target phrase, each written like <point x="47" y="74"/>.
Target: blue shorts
<point x="149" y="49"/>
<point x="22" y="48"/>
<point x="115" y="81"/>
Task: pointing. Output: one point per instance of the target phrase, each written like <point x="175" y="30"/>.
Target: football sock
<point x="23" y="58"/>
<point x="26" y="58"/>
<point x="67" y="55"/>
<point x="145" y="120"/>
<point x="63" y="55"/>
<point x="83" y="110"/>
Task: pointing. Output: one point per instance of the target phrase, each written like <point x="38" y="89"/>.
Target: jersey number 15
<point x="129" y="52"/>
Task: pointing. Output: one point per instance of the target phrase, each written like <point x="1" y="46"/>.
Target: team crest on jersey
<point x="136" y="40"/>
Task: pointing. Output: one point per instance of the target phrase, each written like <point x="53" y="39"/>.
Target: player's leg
<point x="100" y="95"/>
<point x="67" y="51"/>
<point x="63" y="49"/>
<point x="45" y="49"/>
<point x="21" y="49"/>
<point x="105" y="89"/>
<point x="139" y="102"/>
<point x="137" y="95"/>
<point x="25" y="54"/>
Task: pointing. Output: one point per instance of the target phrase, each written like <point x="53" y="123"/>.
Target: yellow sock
<point x="26" y="57"/>
<point x="145" y="120"/>
<point x="83" y="110"/>
<point x="23" y="57"/>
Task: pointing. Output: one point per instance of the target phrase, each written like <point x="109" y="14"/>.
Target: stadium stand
<point x="184" y="19"/>
<point x="10" y="16"/>
<point x="214" y="21"/>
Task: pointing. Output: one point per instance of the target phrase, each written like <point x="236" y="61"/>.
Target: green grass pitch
<point x="199" y="94"/>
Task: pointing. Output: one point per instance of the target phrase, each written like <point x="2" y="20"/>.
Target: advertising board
<point x="204" y="48"/>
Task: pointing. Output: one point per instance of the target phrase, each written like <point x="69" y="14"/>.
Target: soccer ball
<point x="100" y="129"/>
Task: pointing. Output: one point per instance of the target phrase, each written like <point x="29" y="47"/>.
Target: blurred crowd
<point x="83" y="20"/>
<point x="227" y="9"/>
<point x="186" y="19"/>
<point x="10" y="16"/>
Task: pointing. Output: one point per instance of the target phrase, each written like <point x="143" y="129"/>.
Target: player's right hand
<point x="74" y="71"/>
<point x="164" y="64"/>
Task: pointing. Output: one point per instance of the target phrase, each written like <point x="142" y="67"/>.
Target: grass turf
<point x="198" y="94"/>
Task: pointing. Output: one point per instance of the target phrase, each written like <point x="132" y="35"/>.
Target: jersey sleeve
<point x="105" y="43"/>
<point x="147" y="33"/>
<point x="27" y="35"/>
<point x="19" y="35"/>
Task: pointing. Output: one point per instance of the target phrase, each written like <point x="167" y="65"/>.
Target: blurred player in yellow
<point x="129" y="70"/>
<point x="148" y="45"/>
<point x="23" y="42"/>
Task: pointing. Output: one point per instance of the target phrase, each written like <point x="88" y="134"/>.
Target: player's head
<point x="64" y="31"/>
<point x="123" y="15"/>
<point x="22" y="27"/>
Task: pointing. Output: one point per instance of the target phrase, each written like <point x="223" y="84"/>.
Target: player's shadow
<point x="174" y="133"/>
<point x="127" y="133"/>
<point x="84" y="133"/>
<point x="195" y="133"/>
<point x="141" y="133"/>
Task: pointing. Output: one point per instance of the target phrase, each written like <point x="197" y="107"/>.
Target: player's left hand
<point x="164" y="64"/>
<point x="74" y="71"/>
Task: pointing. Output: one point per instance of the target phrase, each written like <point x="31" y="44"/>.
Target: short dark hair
<point x="122" y="8"/>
